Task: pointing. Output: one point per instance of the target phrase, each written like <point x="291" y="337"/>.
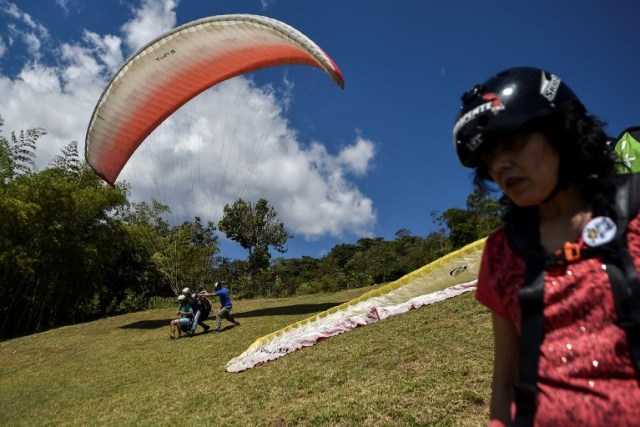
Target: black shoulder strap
<point x="621" y="270"/>
<point x="531" y="299"/>
<point x="525" y="241"/>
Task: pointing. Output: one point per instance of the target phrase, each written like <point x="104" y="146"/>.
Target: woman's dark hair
<point x="586" y="158"/>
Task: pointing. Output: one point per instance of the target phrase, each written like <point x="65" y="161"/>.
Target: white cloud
<point x="40" y="80"/>
<point x="33" y="44"/>
<point x="3" y="48"/>
<point x="231" y="141"/>
<point x="357" y="158"/>
<point x="107" y="48"/>
<point x="89" y="64"/>
<point x="58" y="98"/>
<point x="152" y="19"/>
<point x="30" y="32"/>
<point x="10" y="9"/>
<point x="64" y="5"/>
<point x="37" y="98"/>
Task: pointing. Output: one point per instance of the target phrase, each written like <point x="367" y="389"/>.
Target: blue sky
<point x="377" y="156"/>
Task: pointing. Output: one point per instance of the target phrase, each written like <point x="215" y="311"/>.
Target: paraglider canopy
<point x="175" y="67"/>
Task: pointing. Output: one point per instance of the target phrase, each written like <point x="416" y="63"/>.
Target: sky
<point x="337" y="165"/>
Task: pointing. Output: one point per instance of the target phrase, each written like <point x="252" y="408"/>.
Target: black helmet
<point x="502" y="104"/>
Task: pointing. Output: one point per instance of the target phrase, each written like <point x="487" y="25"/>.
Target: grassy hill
<point x="430" y="367"/>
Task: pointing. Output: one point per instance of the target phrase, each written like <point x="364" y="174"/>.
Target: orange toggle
<point x="571" y="251"/>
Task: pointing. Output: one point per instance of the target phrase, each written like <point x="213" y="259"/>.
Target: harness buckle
<point x="571" y="251"/>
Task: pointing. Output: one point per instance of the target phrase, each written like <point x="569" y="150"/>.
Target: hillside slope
<point x="431" y="366"/>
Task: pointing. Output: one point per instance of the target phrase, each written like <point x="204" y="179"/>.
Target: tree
<point x="183" y="254"/>
<point x="65" y="256"/>
<point x="60" y="249"/>
<point x="481" y="217"/>
<point x="289" y="274"/>
<point x="69" y="161"/>
<point x="6" y="164"/>
<point x="411" y="251"/>
<point x="17" y="154"/>
<point x="487" y="211"/>
<point x="196" y="254"/>
<point x="255" y="227"/>
<point x="22" y="150"/>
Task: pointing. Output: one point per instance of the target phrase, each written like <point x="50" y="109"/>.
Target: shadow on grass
<point x="164" y="323"/>
<point x="287" y="310"/>
<point x="147" y="324"/>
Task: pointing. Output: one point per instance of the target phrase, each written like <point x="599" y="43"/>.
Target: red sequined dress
<point x="585" y="374"/>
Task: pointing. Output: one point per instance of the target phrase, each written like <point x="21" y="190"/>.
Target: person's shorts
<point x="185" y="321"/>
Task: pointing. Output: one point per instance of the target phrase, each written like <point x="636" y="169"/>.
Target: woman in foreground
<point x="558" y="276"/>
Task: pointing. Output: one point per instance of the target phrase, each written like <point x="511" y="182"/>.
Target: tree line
<point x="73" y="249"/>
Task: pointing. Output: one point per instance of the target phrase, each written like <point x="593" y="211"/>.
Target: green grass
<point x="428" y="367"/>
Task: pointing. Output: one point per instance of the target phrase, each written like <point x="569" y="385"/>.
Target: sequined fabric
<point x="585" y="375"/>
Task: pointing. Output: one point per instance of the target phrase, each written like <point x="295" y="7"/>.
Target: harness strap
<point x="622" y="273"/>
<point x="531" y="299"/>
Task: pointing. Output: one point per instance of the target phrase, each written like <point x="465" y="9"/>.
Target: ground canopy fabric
<point x="444" y="278"/>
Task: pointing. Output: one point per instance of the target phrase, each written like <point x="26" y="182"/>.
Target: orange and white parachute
<point x="172" y="69"/>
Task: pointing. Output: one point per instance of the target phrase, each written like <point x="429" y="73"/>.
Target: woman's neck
<point x="562" y="218"/>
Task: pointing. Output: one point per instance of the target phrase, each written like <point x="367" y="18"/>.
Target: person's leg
<point x="175" y="328"/>
<point x="222" y="313"/>
<point x="230" y="318"/>
<point x="205" y="326"/>
<point x="184" y="324"/>
<point x="196" y="320"/>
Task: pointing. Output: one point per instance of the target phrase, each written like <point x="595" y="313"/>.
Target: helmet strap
<point x="553" y="193"/>
<point x="562" y="184"/>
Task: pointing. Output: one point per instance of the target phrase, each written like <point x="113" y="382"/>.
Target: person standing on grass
<point x="225" y="305"/>
<point x="561" y="276"/>
<point x="185" y="311"/>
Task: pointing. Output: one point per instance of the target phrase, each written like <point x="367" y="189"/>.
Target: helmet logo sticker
<point x="494" y="105"/>
<point x="549" y="87"/>
<point x="475" y="142"/>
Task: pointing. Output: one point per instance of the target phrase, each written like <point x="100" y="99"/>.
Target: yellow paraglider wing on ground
<point x="448" y="276"/>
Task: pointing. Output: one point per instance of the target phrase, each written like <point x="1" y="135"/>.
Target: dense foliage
<point x="256" y="227"/>
<point x="73" y="248"/>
